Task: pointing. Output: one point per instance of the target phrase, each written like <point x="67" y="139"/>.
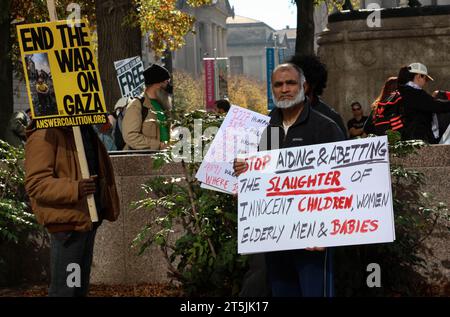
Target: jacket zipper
<point x="284" y="135"/>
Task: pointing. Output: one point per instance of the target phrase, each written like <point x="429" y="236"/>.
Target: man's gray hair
<point x="301" y="76"/>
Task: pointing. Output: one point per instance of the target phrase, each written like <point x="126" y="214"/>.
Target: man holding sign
<point x="294" y="123"/>
<point x="58" y="197"/>
<point x="68" y="174"/>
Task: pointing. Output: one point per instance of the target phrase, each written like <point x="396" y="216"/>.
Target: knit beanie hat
<point x="155" y="74"/>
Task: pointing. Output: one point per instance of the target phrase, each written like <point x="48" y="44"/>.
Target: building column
<point x="214" y="40"/>
<point x="209" y="40"/>
<point x="195" y="51"/>
<point x="218" y="41"/>
<point x="223" y="44"/>
<point x="224" y="41"/>
<point x="200" y="50"/>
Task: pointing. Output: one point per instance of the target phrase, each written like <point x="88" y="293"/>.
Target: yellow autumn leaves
<point x="164" y="24"/>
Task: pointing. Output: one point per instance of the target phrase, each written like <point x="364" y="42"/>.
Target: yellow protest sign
<point x="61" y="72"/>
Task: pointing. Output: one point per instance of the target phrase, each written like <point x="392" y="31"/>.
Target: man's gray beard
<point x="286" y="104"/>
<point x="164" y="99"/>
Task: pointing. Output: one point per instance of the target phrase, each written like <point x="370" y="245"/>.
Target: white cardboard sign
<point x="239" y="134"/>
<point x="321" y="195"/>
<point x="130" y="75"/>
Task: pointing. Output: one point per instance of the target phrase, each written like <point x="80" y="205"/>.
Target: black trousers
<point x="255" y="282"/>
<point x="71" y="260"/>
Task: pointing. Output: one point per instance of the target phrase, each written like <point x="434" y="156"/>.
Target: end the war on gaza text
<point x="75" y="57"/>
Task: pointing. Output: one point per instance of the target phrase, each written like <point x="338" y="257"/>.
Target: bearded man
<point x="145" y="125"/>
<point x="293" y="123"/>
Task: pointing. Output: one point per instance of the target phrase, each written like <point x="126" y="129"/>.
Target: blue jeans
<point x="300" y="273"/>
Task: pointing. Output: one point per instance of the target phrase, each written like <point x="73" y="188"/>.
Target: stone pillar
<point x="224" y="41"/>
<point x="214" y="40"/>
<point x="219" y="41"/>
<point x="209" y="39"/>
<point x="200" y="51"/>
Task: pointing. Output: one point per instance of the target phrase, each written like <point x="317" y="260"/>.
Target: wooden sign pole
<point x="52" y="10"/>
<point x="77" y="135"/>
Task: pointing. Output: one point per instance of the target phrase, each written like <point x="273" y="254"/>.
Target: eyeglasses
<point x="356" y="109"/>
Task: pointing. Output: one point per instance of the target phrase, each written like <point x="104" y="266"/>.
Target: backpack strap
<point x="144" y="110"/>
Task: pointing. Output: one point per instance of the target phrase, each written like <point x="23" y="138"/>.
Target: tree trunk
<point x="304" y="44"/>
<point x="116" y="41"/>
<point x="168" y="61"/>
<point x="6" y="75"/>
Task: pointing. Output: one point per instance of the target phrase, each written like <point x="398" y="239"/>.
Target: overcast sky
<point x="275" y="13"/>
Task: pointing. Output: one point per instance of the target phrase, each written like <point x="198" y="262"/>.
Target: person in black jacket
<point x="418" y="105"/>
<point x="441" y="120"/>
<point x="356" y="124"/>
<point x="293" y="123"/>
<point x="316" y="76"/>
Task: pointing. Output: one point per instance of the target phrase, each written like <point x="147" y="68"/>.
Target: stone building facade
<point x="210" y="38"/>
<point x="291" y="36"/>
<point x="247" y="42"/>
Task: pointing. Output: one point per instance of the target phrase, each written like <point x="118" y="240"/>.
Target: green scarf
<point x="162" y="120"/>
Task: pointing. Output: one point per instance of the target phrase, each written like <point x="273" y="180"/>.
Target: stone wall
<point x="360" y="58"/>
<point x="115" y="262"/>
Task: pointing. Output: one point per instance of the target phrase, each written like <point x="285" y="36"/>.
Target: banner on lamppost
<point x="274" y="57"/>
<point x="210" y="85"/>
<point x="216" y="80"/>
<point x="270" y="66"/>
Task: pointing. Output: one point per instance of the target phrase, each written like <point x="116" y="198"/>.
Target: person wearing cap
<point x="418" y="105"/>
<point x="149" y="130"/>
